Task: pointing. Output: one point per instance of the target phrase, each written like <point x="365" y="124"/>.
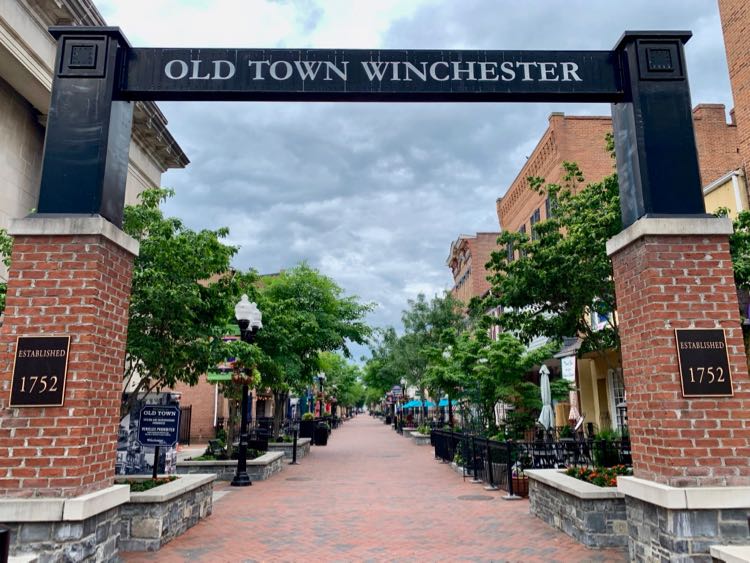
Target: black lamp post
<point x="249" y="319"/>
<point x="321" y="379"/>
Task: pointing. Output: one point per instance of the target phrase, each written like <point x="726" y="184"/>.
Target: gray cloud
<point x="373" y="194"/>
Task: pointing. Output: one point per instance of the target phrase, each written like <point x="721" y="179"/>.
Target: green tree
<point x="6" y="245"/>
<point x="304" y="313"/>
<point x="182" y="295"/>
<point x="427" y="325"/>
<point x="561" y="274"/>
<point x="343" y="380"/>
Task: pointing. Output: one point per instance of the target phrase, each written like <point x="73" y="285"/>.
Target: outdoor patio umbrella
<point x="574" y="415"/>
<point x="547" y="416"/>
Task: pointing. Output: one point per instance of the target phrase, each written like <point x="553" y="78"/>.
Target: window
<point x="535" y="218"/>
<point x="549" y="207"/>
<point x="618" y="406"/>
<point x="511" y="253"/>
<point x="522" y="230"/>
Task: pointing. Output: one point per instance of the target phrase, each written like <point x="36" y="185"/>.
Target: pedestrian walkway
<point x="370" y="495"/>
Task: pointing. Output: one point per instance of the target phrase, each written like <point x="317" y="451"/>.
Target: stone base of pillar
<point x="84" y="528"/>
<point x="683" y="523"/>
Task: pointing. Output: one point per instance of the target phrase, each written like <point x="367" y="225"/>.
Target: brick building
<point x="579" y="139"/>
<point x="467" y="259"/>
<point x="735" y="23"/>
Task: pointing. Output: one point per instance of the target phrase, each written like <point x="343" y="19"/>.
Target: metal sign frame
<point x="98" y="76"/>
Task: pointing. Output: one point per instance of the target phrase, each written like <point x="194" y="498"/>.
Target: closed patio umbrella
<point x="574" y="415"/>
<point x="547" y="416"/>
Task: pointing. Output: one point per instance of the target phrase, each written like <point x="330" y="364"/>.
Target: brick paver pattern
<point x="370" y="495"/>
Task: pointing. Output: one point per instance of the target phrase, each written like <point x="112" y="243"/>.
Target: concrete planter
<point x="420" y="439"/>
<point x="155" y="517"/>
<point x="303" y="448"/>
<point x="407" y="430"/>
<point x="259" y="469"/>
<point x="595" y="516"/>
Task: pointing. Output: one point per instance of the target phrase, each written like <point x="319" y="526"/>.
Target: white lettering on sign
<point x="379" y="71"/>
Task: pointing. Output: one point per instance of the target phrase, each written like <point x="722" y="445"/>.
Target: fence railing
<point x="496" y="463"/>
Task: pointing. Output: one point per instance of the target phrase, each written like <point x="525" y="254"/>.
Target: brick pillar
<point x="671" y="274"/>
<point x="69" y="277"/>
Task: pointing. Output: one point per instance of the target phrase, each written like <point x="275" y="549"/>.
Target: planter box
<point x="421" y="439"/>
<point x="407" y="430"/>
<point x="303" y="448"/>
<point x="259" y="469"/>
<point x="155" y="517"/>
<point x="595" y="516"/>
<point x="520" y="486"/>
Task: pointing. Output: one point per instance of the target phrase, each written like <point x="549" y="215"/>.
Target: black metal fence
<point x="497" y="463"/>
<point x="186" y="414"/>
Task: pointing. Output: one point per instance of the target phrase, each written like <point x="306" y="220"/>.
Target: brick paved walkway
<point x="370" y="495"/>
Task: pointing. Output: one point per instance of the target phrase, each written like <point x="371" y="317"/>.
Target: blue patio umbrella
<point x="443" y="402"/>
<point x="415" y="404"/>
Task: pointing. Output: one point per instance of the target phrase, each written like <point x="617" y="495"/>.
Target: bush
<point x="308" y="416"/>
<point x="600" y="476"/>
<point x="424" y="429"/>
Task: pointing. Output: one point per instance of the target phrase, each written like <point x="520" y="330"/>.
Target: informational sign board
<point x="158" y="426"/>
<point x="704" y="363"/>
<point x="39" y="370"/>
<point x="396" y="391"/>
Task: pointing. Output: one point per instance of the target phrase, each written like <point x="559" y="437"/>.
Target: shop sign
<point x="704" y="363"/>
<point x="39" y="370"/>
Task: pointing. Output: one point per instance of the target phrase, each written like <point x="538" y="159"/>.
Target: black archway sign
<point x="98" y="76"/>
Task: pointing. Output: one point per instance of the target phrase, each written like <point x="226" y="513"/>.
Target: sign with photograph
<point x="39" y="370"/>
<point x="704" y="363"/>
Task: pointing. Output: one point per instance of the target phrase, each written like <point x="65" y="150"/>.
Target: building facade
<point x="468" y="257"/>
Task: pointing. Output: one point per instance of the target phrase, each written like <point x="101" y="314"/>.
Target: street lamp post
<point x="249" y="320"/>
<point x="321" y="379"/>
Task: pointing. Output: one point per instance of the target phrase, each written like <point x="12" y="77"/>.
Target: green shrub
<point x="308" y="416"/>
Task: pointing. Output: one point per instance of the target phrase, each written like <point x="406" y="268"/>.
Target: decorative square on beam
<point x="83" y="57"/>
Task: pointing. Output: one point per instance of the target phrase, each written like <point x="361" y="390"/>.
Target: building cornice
<point x="149" y="124"/>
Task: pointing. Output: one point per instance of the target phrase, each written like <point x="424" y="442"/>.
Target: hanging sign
<point x="568" y="364"/>
<point x="39" y="370"/>
<point x="704" y="363"/>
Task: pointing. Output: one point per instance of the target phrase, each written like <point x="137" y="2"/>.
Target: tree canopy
<point x="551" y="282"/>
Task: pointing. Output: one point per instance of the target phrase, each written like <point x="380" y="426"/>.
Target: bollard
<point x="4" y="543"/>
<point x="509" y="451"/>
<point x="294" y="448"/>
<point x="490" y="477"/>
<point x="476" y="478"/>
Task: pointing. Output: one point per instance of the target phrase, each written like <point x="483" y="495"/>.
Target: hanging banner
<point x="568" y="364"/>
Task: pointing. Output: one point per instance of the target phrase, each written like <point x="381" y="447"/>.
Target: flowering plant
<point x="600" y="476"/>
<point x="517" y="471"/>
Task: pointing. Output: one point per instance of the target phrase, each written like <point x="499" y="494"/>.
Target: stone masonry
<point x="93" y="540"/>
<point x="593" y="522"/>
<point x="146" y="526"/>
<point x="77" y="285"/>
<point x="660" y="534"/>
<point x="664" y="282"/>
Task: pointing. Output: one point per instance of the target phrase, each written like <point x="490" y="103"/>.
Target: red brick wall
<point x="717" y="143"/>
<point x="77" y="286"/>
<point x="664" y="283"/>
<point x="201" y="397"/>
<point x="735" y="22"/>
<point x="580" y="139"/>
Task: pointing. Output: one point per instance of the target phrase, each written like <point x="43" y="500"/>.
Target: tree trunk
<point x="279" y="404"/>
<point x="230" y="427"/>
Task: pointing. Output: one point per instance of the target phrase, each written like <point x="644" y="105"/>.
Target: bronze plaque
<point x="39" y="370"/>
<point x="704" y="363"/>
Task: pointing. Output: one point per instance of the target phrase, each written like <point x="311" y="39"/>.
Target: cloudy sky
<point x="374" y="194"/>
